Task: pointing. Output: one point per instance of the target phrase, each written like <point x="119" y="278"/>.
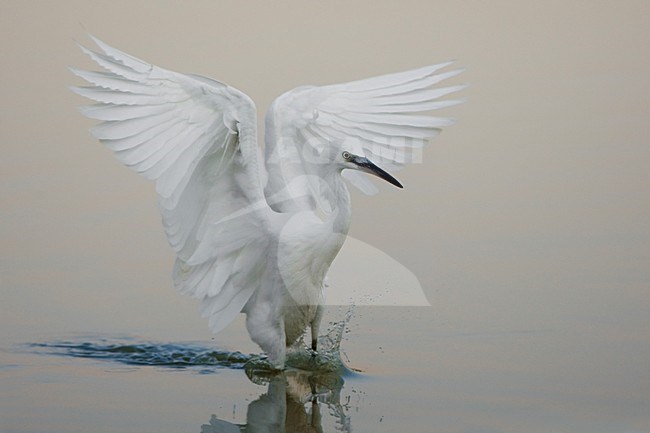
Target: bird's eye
<point x="346" y="155"/>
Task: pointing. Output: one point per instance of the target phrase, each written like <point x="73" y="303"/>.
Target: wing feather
<point x="114" y="66"/>
<point x="384" y="118"/>
<point x="117" y="129"/>
<point x="110" y="81"/>
<point x="196" y="138"/>
<point x="109" y="96"/>
<point x="412" y="86"/>
<point x="393" y="80"/>
<point x="123" y="112"/>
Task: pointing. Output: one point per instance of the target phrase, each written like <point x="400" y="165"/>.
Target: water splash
<point x="206" y="359"/>
<point x="179" y="355"/>
<point x="326" y="360"/>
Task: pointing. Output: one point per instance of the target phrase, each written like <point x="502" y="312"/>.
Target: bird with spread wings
<point x="252" y="234"/>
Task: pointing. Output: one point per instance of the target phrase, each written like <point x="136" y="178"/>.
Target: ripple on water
<point x="173" y="355"/>
<point x="194" y="355"/>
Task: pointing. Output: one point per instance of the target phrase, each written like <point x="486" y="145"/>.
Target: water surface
<point x="407" y="370"/>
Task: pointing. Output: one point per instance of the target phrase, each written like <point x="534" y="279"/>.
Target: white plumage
<point x="258" y="235"/>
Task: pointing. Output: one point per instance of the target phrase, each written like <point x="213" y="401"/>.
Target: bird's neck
<point x="332" y="200"/>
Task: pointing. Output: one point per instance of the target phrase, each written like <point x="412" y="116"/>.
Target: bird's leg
<point x="315" y="325"/>
<point x="268" y="333"/>
<point x="277" y="355"/>
<point x="315" y="414"/>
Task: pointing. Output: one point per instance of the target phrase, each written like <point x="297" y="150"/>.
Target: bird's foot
<point x="261" y="371"/>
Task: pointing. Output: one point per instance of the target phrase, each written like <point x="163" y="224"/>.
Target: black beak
<point x="366" y="165"/>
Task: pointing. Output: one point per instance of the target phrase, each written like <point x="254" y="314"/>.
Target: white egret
<point x="257" y="235"/>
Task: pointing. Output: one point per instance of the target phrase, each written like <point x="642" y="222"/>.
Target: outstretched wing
<point x="196" y="138"/>
<point x="380" y="118"/>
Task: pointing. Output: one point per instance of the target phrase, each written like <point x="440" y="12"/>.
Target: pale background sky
<point x="535" y="205"/>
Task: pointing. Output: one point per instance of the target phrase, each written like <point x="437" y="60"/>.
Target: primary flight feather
<point x="257" y="235"/>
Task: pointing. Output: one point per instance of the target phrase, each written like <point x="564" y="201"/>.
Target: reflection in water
<point x="295" y="401"/>
<point x="303" y="398"/>
<point x="299" y="399"/>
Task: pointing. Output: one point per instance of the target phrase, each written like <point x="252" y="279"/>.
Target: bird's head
<point x="348" y="160"/>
